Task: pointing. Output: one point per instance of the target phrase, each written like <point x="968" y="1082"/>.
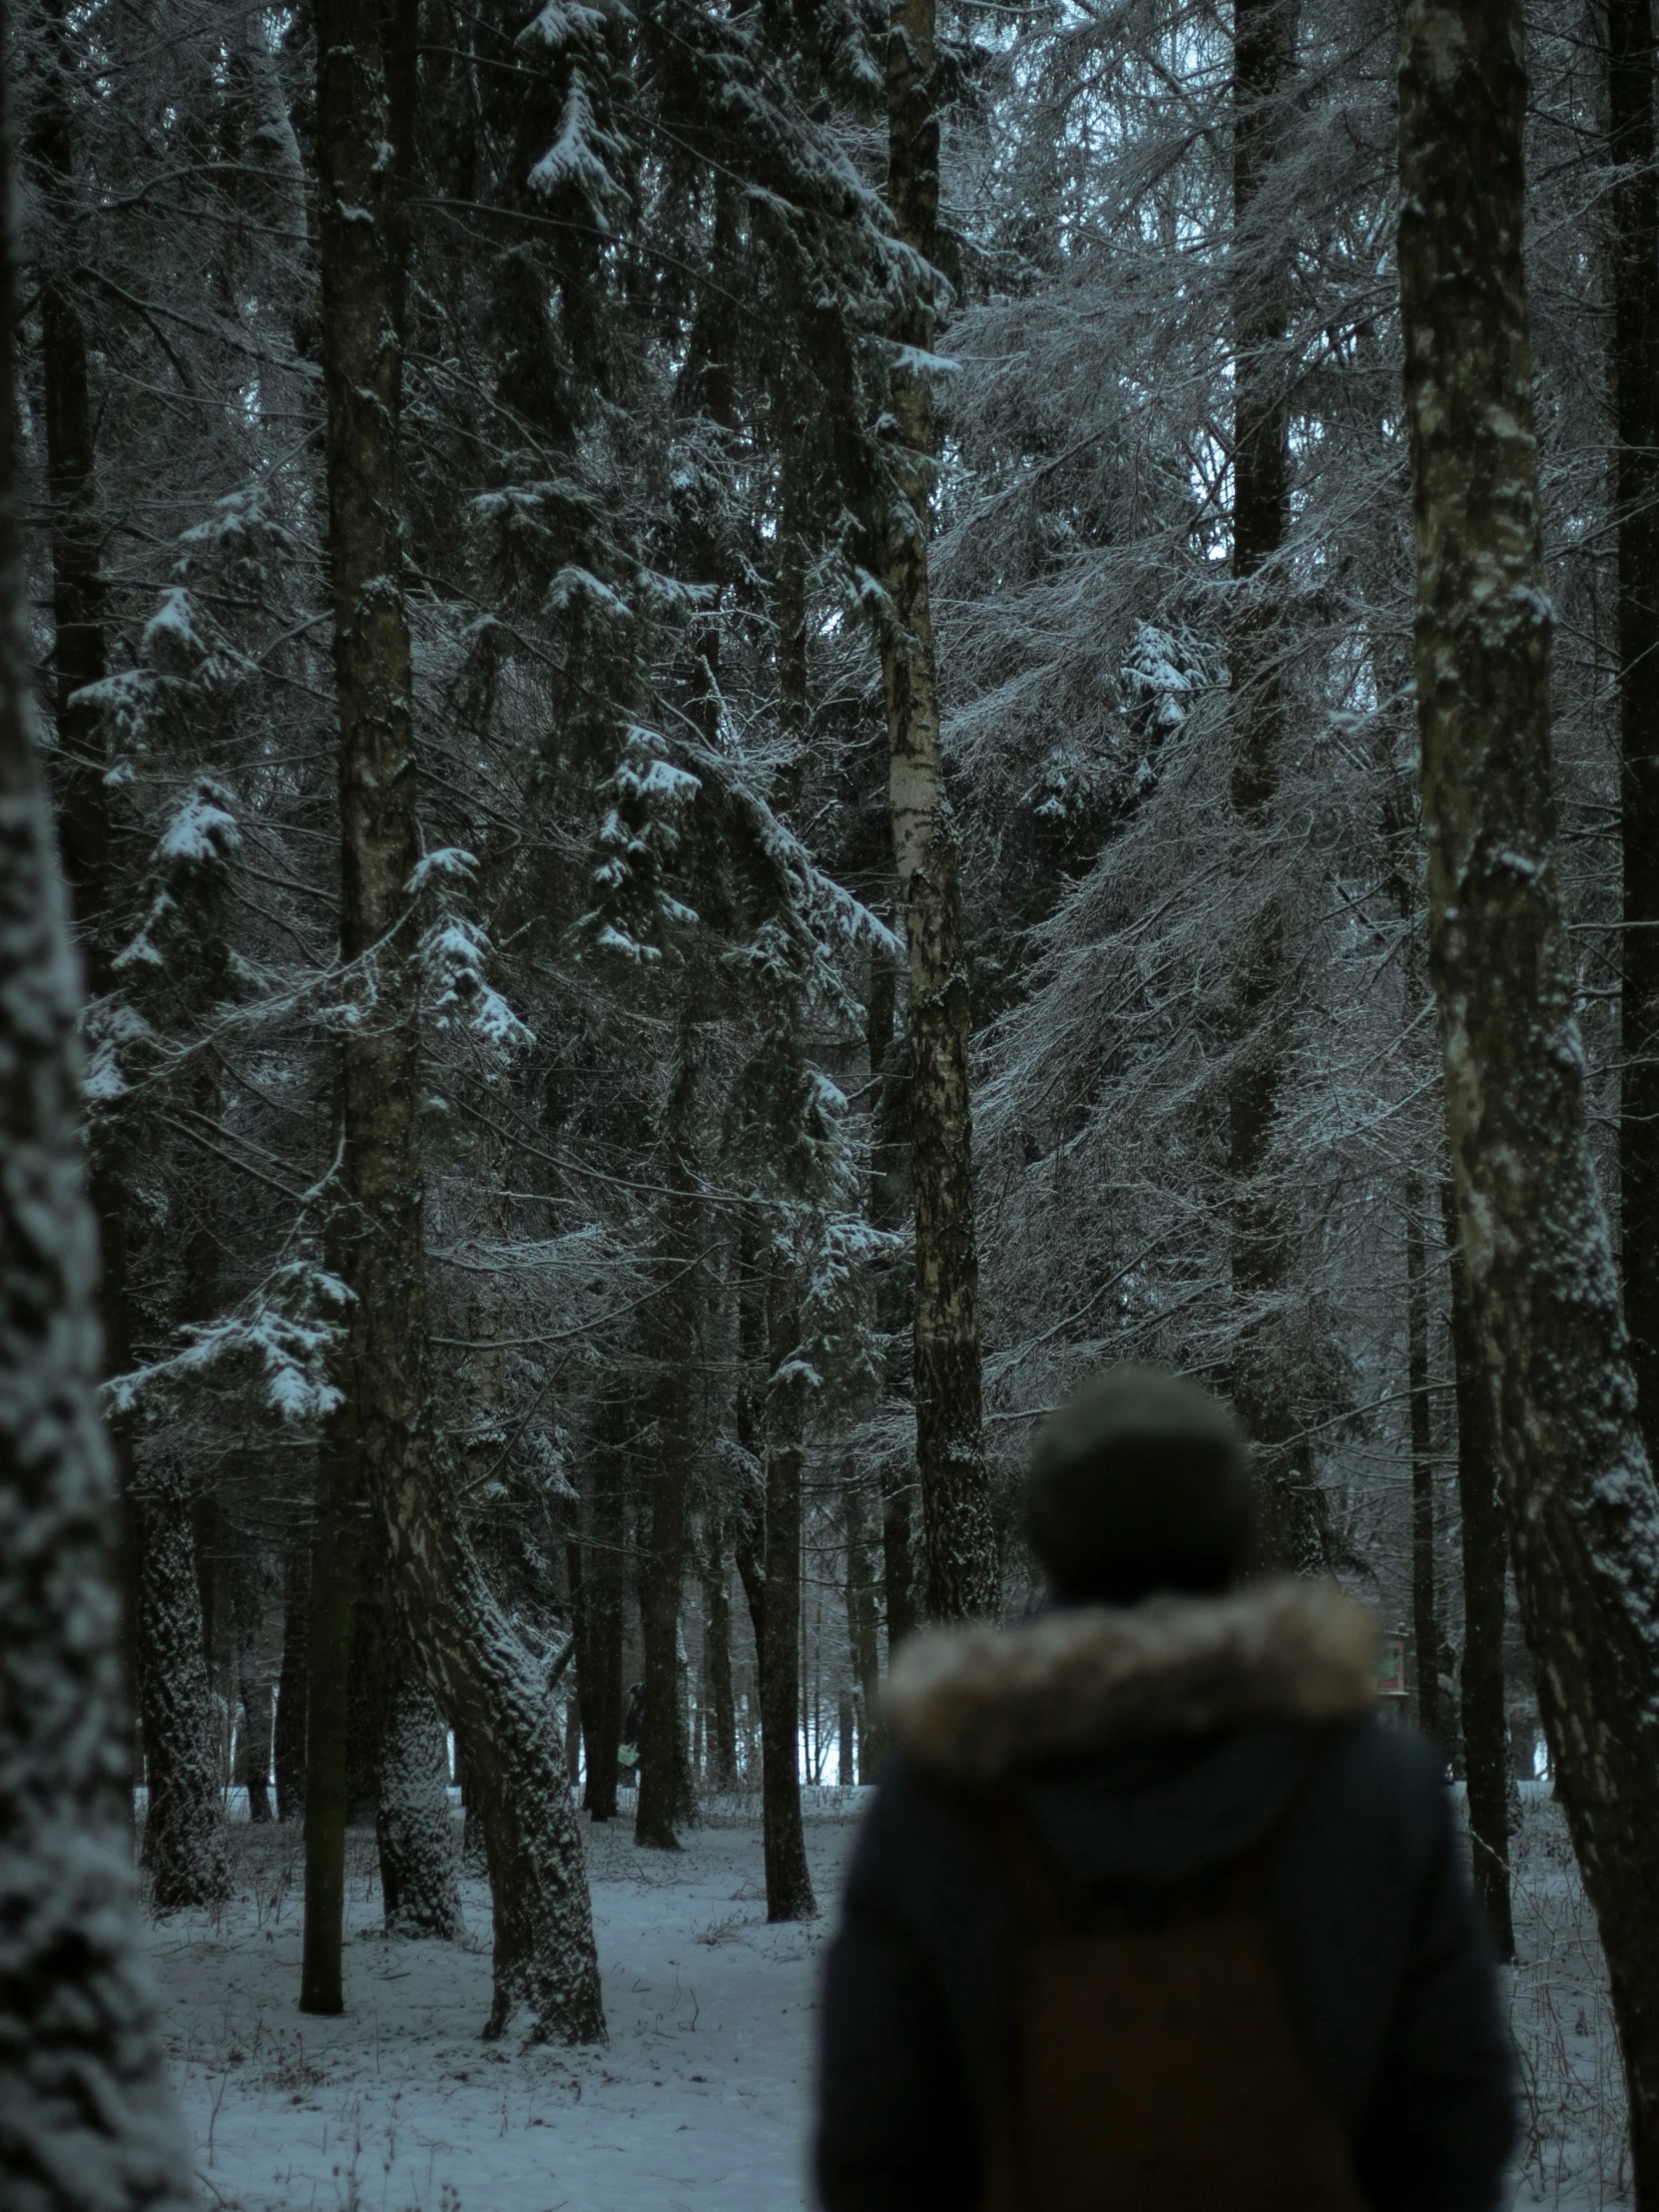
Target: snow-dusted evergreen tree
<point x="86" y="2110"/>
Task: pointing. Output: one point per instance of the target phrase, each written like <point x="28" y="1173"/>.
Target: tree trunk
<point x="1582" y="1508"/>
<point x="183" y="1828"/>
<point x="597" y="1580"/>
<point x="955" y="1497"/>
<point x="720" y="1738"/>
<point x="1425" y="1619"/>
<point x="897" y="1568"/>
<point x="478" y="1670"/>
<point x="1485" y="1576"/>
<point x="253" y="1690"/>
<point x="79" y="659"/>
<point x="1262" y="1242"/>
<point x="778" y="1629"/>
<point x="862" y="1636"/>
<point x="671" y="1332"/>
<point x="88" y="2108"/>
<point x="291" y="1686"/>
<point x="328" y="1690"/>
<point x="419" y="1880"/>
<point x="1635" y="210"/>
<point x="367" y="1678"/>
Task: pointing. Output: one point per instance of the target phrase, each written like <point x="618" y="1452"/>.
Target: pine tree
<point x="958" y="1533"/>
<point x="87" y="2115"/>
<point x="544" y="1952"/>
<point x="1582" y="1508"/>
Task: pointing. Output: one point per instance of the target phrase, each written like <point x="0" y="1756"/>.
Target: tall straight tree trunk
<point x="1582" y="1507"/>
<point x="958" y="1536"/>
<point x="1262" y="1240"/>
<point x="80" y="658"/>
<point x="862" y="1636"/>
<point x="889" y="1203"/>
<point x="1485" y="1552"/>
<point x="671" y="1328"/>
<point x="253" y="1690"/>
<point x="87" y="2114"/>
<point x="1425" y="1618"/>
<point x="597" y="1591"/>
<point x="718" y="1703"/>
<point x="327" y="1686"/>
<point x="1635" y="365"/>
<point x="480" y="1672"/>
<point x="771" y="1582"/>
<point x="291" y="1683"/>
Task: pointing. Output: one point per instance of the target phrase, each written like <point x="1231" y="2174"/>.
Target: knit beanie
<point x="1140" y="1481"/>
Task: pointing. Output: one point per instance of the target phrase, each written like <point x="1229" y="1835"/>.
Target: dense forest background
<point x="873" y="864"/>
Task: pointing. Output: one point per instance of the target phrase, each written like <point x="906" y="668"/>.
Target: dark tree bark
<point x="80" y="658"/>
<point x="253" y="1690"/>
<point x="771" y="1574"/>
<point x="897" y="1566"/>
<point x="1425" y="1617"/>
<point x="1485" y="1551"/>
<point x="1635" y="210"/>
<point x="367" y="1693"/>
<point x="718" y="1703"/>
<point x="1261" y="1241"/>
<point x="327" y="1693"/>
<point x="87" y="2105"/>
<point x="671" y="1330"/>
<point x="291" y="1684"/>
<point x="596" y="1572"/>
<point x="959" y="1537"/>
<point x="478" y="1670"/>
<point x="184" y="1827"/>
<point x="888" y="1203"/>
<point x="176" y="1538"/>
<point x="1582" y="1508"/>
<point x="863" y="1625"/>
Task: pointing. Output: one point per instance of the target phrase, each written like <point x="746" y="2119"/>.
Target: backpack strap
<point x="1040" y="1890"/>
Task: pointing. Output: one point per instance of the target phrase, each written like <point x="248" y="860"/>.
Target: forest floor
<point x="701" y="2099"/>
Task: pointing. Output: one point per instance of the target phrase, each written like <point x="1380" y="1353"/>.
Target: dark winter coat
<point x="1149" y="1744"/>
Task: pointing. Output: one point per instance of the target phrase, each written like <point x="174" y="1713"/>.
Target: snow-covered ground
<point x="698" y="2101"/>
<point x="701" y="2099"/>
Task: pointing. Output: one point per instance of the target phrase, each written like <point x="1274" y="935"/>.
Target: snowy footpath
<point x="700" y="2100"/>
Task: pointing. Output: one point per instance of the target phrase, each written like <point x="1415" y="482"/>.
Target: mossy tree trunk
<point x="1582" y="1507"/>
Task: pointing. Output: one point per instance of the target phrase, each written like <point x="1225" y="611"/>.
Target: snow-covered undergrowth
<point x="700" y="2100"/>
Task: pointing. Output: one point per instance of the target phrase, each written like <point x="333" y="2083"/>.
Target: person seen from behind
<point x="1150" y="1912"/>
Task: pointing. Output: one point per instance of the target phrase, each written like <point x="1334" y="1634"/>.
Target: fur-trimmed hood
<point x="975" y="1704"/>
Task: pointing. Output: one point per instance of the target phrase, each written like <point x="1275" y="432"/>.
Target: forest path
<point x="701" y="2099"/>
